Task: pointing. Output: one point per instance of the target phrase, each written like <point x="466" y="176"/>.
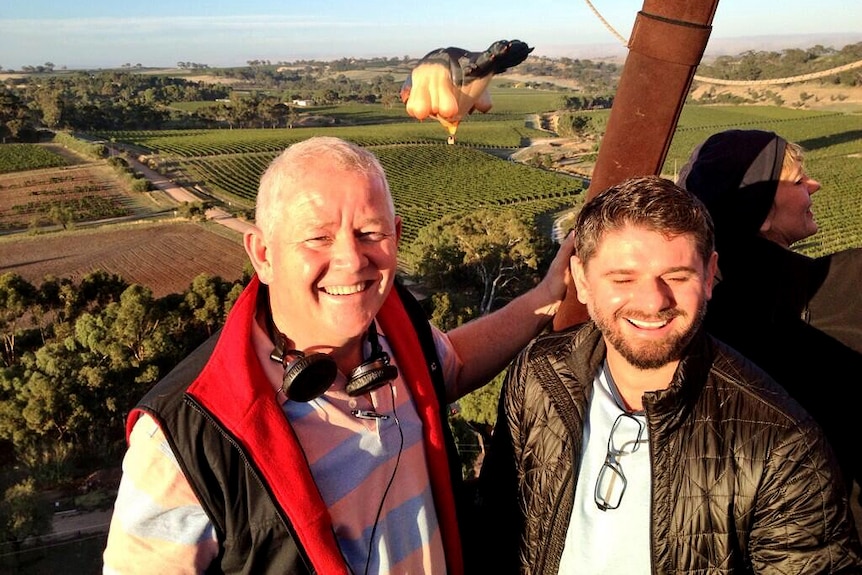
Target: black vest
<point x="255" y="536"/>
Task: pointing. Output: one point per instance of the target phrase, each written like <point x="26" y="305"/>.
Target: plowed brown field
<point x="164" y="257"/>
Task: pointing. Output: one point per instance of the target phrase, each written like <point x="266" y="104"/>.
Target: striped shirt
<point x="371" y="473"/>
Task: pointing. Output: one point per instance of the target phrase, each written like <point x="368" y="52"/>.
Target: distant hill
<point x="732" y="46"/>
<point x="616" y="52"/>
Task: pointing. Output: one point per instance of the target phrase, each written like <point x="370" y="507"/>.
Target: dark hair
<point x="650" y="202"/>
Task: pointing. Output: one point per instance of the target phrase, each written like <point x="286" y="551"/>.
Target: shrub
<point x="140" y="185"/>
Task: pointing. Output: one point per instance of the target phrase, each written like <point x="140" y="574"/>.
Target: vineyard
<point x="39" y="197"/>
<point x="23" y="157"/>
<point x="429" y="178"/>
<point x="427" y="181"/>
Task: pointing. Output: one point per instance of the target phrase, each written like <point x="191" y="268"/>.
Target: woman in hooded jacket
<point x="797" y="317"/>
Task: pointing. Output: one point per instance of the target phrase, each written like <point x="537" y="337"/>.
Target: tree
<point x="472" y="263"/>
<point x="61" y="215"/>
<point x="473" y="423"/>
<point x="135" y="324"/>
<point x="193" y="210"/>
<point x="22" y="514"/>
<point x="489" y="256"/>
<point x="480" y="406"/>
<point x="17" y="295"/>
<point x="49" y="99"/>
<point x="14" y="114"/>
<point x="204" y="300"/>
<point x="450" y="310"/>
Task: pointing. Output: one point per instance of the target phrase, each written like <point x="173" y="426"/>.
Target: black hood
<point x="735" y="173"/>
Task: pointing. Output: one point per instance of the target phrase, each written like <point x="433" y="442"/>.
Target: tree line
<point x="766" y="65"/>
<point x="267" y="95"/>
<point x="95" y="101"/>
<point x="75" y="358"/>
<point x="125" y="100"/>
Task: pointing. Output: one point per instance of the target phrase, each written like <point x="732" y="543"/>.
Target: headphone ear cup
<point x="370" y="375"/>
<point x="308" y="376"/>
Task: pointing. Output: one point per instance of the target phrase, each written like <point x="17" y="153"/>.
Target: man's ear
<point x="256" y="248"/>
<point x="711" y="270"/>
<point x="397" y="229"/>
<point x="579" y="274"/>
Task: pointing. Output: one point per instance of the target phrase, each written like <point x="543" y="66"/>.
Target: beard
<point x="653" y="354"/>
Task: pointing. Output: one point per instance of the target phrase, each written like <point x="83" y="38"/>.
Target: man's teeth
<point x="647" y="324"/>
<point x="344" y="290"/>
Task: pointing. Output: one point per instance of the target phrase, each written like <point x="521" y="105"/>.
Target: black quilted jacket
<point x="743" y="480"/>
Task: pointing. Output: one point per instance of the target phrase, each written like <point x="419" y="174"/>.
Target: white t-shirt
<point x="614" y="540"/>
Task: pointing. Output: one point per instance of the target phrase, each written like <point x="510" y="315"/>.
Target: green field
<point x="429" y="178"/>
<point x="23" y="157"/>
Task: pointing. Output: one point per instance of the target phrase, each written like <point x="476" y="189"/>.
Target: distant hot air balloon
<point x="450" y="83"/>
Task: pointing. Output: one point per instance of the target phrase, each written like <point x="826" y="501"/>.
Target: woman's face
<point x="790" y="219"/>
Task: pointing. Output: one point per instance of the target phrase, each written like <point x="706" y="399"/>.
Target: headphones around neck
<point x="309" y="376"/>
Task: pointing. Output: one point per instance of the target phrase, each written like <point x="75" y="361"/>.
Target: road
<point x="75" y="524"/>
<point x="181" y="194"/>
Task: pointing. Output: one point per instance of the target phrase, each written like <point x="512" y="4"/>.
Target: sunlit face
<point x="790" y="219"/>
<point x="646" y="293"/>
<point x="331" y="260"/>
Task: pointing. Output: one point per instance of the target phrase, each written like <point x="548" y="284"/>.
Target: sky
<point x="159" y="33"/>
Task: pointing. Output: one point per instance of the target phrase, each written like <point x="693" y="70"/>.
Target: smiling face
<point x="646" y="292"/>
<point x="330" y="257"/>
<point x="790" y="219"/>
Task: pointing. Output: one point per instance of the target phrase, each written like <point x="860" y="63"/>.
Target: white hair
<point x="294" y="163"/>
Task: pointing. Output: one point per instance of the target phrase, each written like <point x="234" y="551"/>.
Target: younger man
<point x="637" y="443"/>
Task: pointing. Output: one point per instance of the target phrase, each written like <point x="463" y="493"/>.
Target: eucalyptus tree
<point x="488" y="255"/>
<point x="17" y="295"/>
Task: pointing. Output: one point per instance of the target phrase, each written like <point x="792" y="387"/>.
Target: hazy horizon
<point x="105" y="34"/>
<point x="608" y="52"/>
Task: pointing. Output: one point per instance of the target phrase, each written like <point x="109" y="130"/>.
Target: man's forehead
<point x="340" y="182"/>
<point x="631" y="238"/>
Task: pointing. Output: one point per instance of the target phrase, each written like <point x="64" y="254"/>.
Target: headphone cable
<point x="391" y="479"/>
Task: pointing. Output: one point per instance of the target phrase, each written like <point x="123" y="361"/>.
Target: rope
<point x="607" y="25"/>
<point x="788" y="80"/>
<point x="772" y="82"/>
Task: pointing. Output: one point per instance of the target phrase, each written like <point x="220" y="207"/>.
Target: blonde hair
<point x="793" y="156"/>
